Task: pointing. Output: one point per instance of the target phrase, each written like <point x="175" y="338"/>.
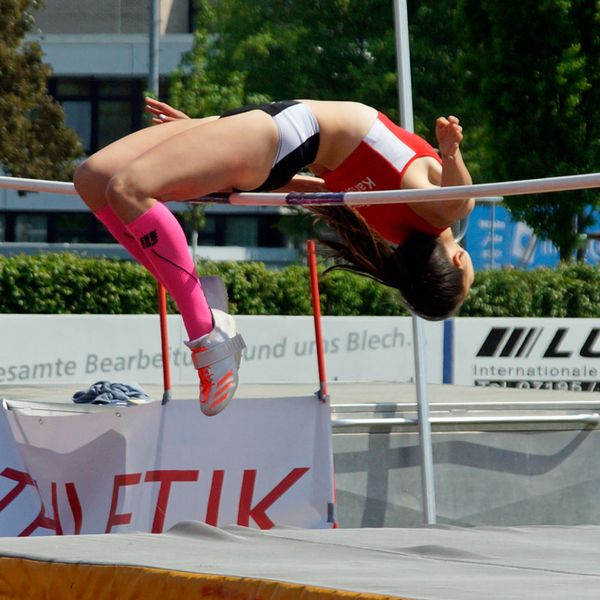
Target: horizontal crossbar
<point x="459" y="192"/>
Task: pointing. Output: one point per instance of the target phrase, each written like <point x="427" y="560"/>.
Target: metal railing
<point x="582" y="418"/>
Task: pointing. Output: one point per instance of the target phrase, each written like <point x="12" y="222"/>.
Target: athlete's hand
<point x="449" y="135"/>
<point x="162" y="112"/>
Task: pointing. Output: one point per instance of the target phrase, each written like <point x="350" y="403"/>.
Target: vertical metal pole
<point x="425" y="442"/>
<point x="407" y="122"/>
<point x="153" y="68"/>
<point x="493" y="233"/>
<point x="403" y="65"/>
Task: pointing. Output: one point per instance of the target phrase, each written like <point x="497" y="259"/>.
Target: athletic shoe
<point x="217" y="357"/>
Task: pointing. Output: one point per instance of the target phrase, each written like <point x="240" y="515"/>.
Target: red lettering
<point x="73" y="503"/>
<point x="23" y="480"/>
<point x="40" y="521"/>
<point x="166" y="478"/>
<point x="75" y="507"/>
<point x="54" y="496"/>
<point x="258" y="512"/>
<point x="214" y="498"/>
<point x="113" y="517"/>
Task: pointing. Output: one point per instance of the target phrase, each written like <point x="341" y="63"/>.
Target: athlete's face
<point x="468" y="271"/>
<point x="461" y="259"/>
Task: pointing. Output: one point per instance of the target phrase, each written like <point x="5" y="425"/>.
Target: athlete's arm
<point x="427" y="172"/>
<point x="449" y="135"/>
<point x="303" y="184"/>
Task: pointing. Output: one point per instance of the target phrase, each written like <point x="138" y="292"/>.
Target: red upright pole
<point x="316" y="306"/>
<point x="164" y="342"/>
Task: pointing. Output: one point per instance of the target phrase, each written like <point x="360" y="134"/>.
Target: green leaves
<point x="70" y="284"/>
<point x="568" y="291"/>
<point x="66" y="283"/>
<point x="531" y="73"/>
<point x="278" y="49"/>
<point x="34" y="141"/>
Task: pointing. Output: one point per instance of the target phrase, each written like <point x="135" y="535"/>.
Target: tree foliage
<point x="532" y="74"/>
<point x="435" y="48"/>
<point x="34" y="141"/>
<point x="251" y="52"/>
<point x="328" y="49"/>
<point x="69" y="284"/>
<point x="522" y="76"/>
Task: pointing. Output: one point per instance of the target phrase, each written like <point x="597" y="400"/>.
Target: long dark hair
<point x="430" y="285"/>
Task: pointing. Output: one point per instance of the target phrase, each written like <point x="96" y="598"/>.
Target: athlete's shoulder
<point x="422" y="173"/>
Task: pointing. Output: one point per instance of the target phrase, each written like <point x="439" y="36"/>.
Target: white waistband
<point x="296" y="124"/>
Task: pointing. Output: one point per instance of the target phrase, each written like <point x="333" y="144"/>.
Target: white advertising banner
<point x="553" y="354"/>
<point x="20" y="504"/>
<point x="283" y="349"/>
<point x="82" y="349"/>
<point x="261" y="463"/>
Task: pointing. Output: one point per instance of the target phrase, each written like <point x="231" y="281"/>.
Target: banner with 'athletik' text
<point x="260" y="463"/>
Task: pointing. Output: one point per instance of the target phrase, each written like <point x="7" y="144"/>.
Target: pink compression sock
<point x="110" y="220"/>
<point x="164" y="245"/>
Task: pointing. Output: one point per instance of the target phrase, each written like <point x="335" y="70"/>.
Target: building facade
<point x="100" y="57"/>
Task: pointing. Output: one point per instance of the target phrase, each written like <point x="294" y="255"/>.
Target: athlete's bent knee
<point x="121" y="189"/>
<point x="85" y="177"/>
<point x="90" y="184"/>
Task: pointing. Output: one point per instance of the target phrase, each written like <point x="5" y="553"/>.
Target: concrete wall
<point x="108" y="55"/>
<point x="530" y="476"/>
<point x="110" y="16"/>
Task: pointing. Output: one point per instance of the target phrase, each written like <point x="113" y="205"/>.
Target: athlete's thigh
<point x="113" y="157"/>
<point x="237" y="151"/>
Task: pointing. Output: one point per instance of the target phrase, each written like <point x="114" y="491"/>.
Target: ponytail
<point x="430" y="285"/>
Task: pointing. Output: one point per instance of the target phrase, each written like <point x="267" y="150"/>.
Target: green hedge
<point x="567" y="291"/>
<point x="67" y="283"/>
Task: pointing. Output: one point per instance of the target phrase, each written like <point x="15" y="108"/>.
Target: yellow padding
<point x="25" y="579"/>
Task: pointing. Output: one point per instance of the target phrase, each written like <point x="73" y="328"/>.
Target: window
<point x="74" y="228"/>
<point x="241" y="231"/>
<point x="119" y="103"/>
<point x="74" y="96"/>
<point x="78" y="116"/>
<point x="31" y="228"/>
<point x="100" y="234"/>
<point x="207" y="236"/>
<point x="2" y="228"/>
<point x="114" y="121"/>
<point x="99" y="110"/>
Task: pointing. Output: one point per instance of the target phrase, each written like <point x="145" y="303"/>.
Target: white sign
<point x="260" y="463"/>
<point x="20" y="504"/>
<point x="554" y="354"/>
<point x="283" y="349"/>
<point x="38" y="349"/>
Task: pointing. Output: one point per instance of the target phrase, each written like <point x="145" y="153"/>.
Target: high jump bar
<point x="459" y="192"/>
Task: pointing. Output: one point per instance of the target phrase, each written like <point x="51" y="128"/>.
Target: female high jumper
<point x="344" y="145"/>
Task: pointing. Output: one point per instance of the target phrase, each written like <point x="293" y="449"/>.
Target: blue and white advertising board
<point x="494" y="240"/>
